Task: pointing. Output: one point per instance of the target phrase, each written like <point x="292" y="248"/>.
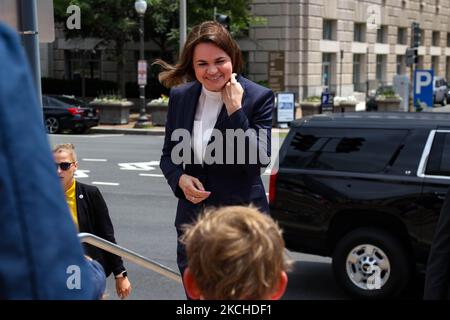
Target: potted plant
<point x="112" y="109"/>
<point x="310" y="106"/>
<point x="388" y="100"/>
<point x="345" y="104"/>
<point x="158" y="110"/>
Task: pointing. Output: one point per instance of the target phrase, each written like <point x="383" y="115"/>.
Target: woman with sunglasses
<point x="90" y="214"/>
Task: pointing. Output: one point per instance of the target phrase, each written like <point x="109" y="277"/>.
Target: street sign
<point x="285" y="107"/>
<point x="142" y="72"/>
<point x="423" y="87"/>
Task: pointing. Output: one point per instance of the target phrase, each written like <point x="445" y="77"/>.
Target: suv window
<point x="358" y="150"/>
<point x="439" y="159"/>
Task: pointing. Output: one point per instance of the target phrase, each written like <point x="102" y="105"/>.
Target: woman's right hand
<point x="193" y="189"/>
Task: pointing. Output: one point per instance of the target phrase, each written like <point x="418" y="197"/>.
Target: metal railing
<point x="129" y="255"/>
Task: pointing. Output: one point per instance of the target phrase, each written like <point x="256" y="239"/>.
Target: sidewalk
<point x="152" y="131"/>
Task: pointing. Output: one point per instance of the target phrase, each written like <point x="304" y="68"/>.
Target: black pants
<point x="181" y="257"/>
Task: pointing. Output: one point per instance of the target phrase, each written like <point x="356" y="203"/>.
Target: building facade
<point x="346" y="45"/>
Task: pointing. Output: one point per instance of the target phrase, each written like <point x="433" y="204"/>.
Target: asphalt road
<point x="142" y="207"/>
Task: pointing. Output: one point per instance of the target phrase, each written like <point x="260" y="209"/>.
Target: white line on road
<point x="104" y="135"/>
<point x="151" y="175"/>
<point x="95" y="160"/>
<point x="106" y="183"/>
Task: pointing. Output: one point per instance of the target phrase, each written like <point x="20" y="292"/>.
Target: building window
<point x="358" y="85"/>
<point x="447" y="68"/>
<point x="435" y="37"/>
<point x="448" y="39"/>
<point x="83" y="62"/>
<point x="326" y="69"/>
<point x="401" y="64"/>
<point x="381" y="34"/>
<point x="329" y="29"/>
<point x="359" y="32"/>
<point x="381" y="68"/>
<point x="401" y="35"/>
<point x="435" y="64"/>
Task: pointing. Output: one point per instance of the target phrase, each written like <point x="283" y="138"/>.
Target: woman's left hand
<point x="232" y="94"/>
<point x="123" y="287"/>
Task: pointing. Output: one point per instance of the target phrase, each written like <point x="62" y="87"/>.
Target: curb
<point x="151" y="132"/>
<point x="148" y="132"/>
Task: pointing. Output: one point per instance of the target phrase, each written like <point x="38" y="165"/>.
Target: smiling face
<point x="212" y="66"/>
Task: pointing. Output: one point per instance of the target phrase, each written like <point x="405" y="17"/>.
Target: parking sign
<point x="423" y="87"/>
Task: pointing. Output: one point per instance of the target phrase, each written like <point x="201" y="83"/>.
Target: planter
<point x="113" y="112"/>
<point x="310" y="108"/>
<point x="387" y="105"/>
<point x="344" y="107"/>
<point x="158" y="113"/>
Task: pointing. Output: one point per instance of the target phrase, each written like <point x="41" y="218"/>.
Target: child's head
<point x="235" y="253"/>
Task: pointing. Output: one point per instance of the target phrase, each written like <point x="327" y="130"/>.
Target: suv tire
<point x="357" y="256"/>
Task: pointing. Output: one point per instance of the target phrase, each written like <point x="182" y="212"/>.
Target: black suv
<point x="365" y="189"/>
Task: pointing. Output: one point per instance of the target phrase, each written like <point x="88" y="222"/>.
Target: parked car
<point x="440" y="91"/>
<point x="371" y="103"/>
<point x="67" y="113"/>
<point x="365" y="189"/>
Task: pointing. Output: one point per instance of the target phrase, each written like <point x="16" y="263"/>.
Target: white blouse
<point x="208" y="108"/>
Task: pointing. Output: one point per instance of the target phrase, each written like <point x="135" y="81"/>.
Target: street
<point x="142" y="208"/>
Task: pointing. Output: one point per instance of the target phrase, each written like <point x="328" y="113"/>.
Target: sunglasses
<point x="64" y="166"/>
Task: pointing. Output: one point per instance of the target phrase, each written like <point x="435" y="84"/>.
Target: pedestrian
<point x="90" y="214"/>
<point x="437" y="279"/>
<point x="216" y="98"/>
<point x="235" y="253"/>
<point x="40" y="254"/>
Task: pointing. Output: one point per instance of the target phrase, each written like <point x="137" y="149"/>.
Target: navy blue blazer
<point x="229" y="184"/>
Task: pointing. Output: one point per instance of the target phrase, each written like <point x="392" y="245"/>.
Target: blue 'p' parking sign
<point x="423" y="87"/>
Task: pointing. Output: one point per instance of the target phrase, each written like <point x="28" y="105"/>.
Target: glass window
<point x="439" y="159"/>
<point x="435" y="38"/>
<point x="355" y="150"/>
<point x="401" y="35"/>
<point x="381" y="34"/>
<point x="84" y="62"/>
<point x="326" y="69"/>
<point x="358" y="34"/>
<point x="401" y="64"/>
<point x="328" y="30"/>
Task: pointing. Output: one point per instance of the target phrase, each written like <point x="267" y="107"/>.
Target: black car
<point x="365" y="189"/>
<point x="67" y="113"/>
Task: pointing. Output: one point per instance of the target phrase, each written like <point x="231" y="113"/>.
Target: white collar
<point x="216" y="95"/>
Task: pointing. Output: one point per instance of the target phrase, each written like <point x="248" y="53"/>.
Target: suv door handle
<point x="440" y="195"/>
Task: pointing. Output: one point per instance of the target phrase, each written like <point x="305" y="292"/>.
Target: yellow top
<point x="72" y="203"/>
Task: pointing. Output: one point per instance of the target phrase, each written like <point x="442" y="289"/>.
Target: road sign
<point x="423" y="87"/>
<point x="285" y="107"/>
<point x="142" y="72"/>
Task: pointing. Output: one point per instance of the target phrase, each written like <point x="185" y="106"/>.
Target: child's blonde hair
<point x="235" y="252"/>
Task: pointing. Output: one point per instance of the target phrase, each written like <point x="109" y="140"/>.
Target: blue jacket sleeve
<point x="40" y="255"/>
<point x="171" y="171"/>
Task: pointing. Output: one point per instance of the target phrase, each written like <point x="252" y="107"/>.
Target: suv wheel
<point x="370" y="263"/>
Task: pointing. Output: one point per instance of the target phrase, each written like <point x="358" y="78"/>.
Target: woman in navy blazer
<point x="214" y="102"/>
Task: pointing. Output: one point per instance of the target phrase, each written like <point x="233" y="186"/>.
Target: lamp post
<point x="142" y="121"/>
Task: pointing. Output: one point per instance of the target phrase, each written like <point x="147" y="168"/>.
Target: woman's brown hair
<point x="209" y="32"/>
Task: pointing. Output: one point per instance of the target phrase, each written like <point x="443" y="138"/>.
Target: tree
<point x="116" y="22"/>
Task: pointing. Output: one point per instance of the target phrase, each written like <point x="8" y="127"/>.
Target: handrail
<point x="129" y="255"/>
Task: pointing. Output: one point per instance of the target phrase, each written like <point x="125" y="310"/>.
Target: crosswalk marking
<point x="81" y="174"/>
<point x="139" y="166"/>
<point x="105" y="183"/>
